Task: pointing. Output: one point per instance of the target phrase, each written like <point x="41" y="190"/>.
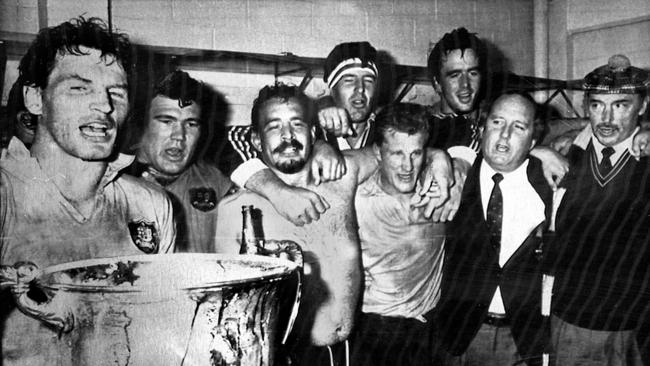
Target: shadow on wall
<point x="388" y="83"/>
<point x="497" y="64"/>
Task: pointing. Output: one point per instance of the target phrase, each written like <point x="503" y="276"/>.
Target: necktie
<point x="494" y="214"/>
<point x="605" y="165"/>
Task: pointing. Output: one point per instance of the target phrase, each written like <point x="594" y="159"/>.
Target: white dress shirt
<point x="523" y="211"/>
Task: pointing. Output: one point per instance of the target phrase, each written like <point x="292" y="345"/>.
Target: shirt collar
<point x="520" y="173"/>
<point x="619" y="149"/>
<point x="18" y="152"/>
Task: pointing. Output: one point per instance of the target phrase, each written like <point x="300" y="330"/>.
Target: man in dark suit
<point x="489" y="311"/>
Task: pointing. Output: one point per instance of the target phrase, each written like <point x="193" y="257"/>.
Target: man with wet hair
<point x="457" y="65"/>
<point x="402" y="250"/>
<point x="177" y="126"/>
<point x="490" y="304"/>
<point x="65" y="198"/>
<point x="284" y="133"/>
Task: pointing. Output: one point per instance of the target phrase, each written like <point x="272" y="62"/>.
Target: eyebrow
<point x="449" y="72"/>
<point x="164" y="114"/>
<point x="88" y="81"/>
<point x="74" y="77"/>
<point x="628" y="100"/>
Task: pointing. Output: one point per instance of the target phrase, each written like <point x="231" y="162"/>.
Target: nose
<point x="407" y="164"/>
<point x="103" y="102"/>
<point x="179" y="132"/>
<point x="359" y="86"/>
<point x="608" y="114"/>
<point x="464" y="81"/>
<point x="286" y="133"/>
<point x="506" y="131"/>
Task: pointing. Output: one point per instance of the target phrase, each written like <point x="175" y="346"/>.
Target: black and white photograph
<point x="324" y="182"/>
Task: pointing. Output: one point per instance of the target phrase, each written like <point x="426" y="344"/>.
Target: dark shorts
<point x="335" y="355"/>
<point x="383" y="340"/>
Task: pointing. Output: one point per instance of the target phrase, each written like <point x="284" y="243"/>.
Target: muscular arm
<point x="298" y="205"/>
<point x="336" y="244"/>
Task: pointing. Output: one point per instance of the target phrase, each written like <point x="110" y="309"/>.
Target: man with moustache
<point x="65" y="198"/>
<point x="176" y="127"/>
<point x="401" y="249"/>
<point x="601" y="248"/>
<point x="284" y="133"/>
<point x="489" y="308"/>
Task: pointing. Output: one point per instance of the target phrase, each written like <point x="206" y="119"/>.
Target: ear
<point x="644" y="105"/>
<point x="256" y="141"/>
<point x="313" y="134"/>
<point x="436" y="85"/>
<point x="377" y="151"/>
<point x="33" y="97"/>
<point x="533" y="142"/>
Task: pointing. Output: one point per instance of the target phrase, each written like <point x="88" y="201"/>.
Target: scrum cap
<point x="347" y="56"/>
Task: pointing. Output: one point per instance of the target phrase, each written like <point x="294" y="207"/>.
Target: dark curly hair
<point x="458" y="39"/>
<point x="284" y="92"/>
<point x="69" y="37"/>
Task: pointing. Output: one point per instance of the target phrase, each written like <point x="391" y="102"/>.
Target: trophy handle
<point x="290" y="250"/>
<point x="18" y="278"/>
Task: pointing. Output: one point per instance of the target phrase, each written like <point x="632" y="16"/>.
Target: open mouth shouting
<point x="175" y="154"/>
<point x="97" y="131"/>
<point x="502" y="148"/>
<point x="465" y="97"/>
<point x="405" y="177"/>
<point x="289" y="148"/>
<point x="606" y="130"/>
<point x="358" y="103"/>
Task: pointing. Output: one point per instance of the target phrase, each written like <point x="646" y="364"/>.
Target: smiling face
<point x="286" y="137"/>
<point x="614" y="117"/>
<point x="355" y="92"/>
<point x="171" y="136"/>
<point x="400" y="160"/>
<point x="459" y="81"/>
<point x="83" y="105"/>
<point x="507" y="136"/>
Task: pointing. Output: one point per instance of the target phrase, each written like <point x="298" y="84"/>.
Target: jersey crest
<point x="203" y="198"/>
<point x="144" y="236"/>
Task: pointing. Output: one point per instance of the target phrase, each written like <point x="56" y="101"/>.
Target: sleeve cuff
<point x="247" y="169"/>
<point x="462" y="152"/>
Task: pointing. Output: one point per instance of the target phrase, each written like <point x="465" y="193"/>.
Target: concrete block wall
<point x="405" y="29"/>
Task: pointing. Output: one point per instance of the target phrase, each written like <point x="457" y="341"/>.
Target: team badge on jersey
<point x="144" y="236"/>
<point x="203" y="199"/>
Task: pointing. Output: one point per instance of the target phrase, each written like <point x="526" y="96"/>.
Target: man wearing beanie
<point x="600" y="254"/>
<point x="351" y="75"/>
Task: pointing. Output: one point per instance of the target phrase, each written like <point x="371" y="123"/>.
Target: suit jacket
<point x="471" y="274"/>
